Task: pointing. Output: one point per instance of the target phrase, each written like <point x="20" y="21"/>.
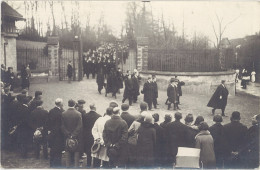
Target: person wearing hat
<point x="252" y="146"/>
<point x="176" y="133"/>
<point x="25" y="76"/>
<point x="205" y="143"/>
<point x="219" y="98"/>
<point x="235" y="136"/>
<point x="127" y="116"/>
<point x="24" y="129"/>
<point x="158" y="152"/>
<point x="155" y="87"/>
<point x="128" y="92"/>
<point x="172" y="93"/>
<point x="217" y="132"/>
<point x="115" y="136"/>
<point x="113" y="104"/>
<point x="100" y="78"/>
<point x="136" y="87"/>
<point x="37" y="96"/>
<point x="148" y="91"/>
<point x="80" y="107"/>
<point x="55" y="136"/>
<point x="179" y="84"/>
<point x="10" y="78"/>
<point x="69" y="71"/>
<point x="39" y="118"/>
<point x="146" y="143"/>
<point x="88" y="120"/>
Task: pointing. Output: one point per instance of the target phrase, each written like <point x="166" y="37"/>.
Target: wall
<point x="195" y="82"/>
<point x="11" y="60"/>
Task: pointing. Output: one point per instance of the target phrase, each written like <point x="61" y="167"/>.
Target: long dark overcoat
<point x="100" y="78"/>
<point x="112" y="83"/>
<point x="176" y="133"/>
<point x="69" y="70"/>
<point x="120" y="79"/>
<point x="116" y="132"/>
<point x="128" y="118"/>
<point x="55" y="138"/>
<point x="136" y="86"/>
<point x="128" y="88"/>
<point x="71" y="125"/>
<point x="148" y="91"/>
<point x="172" y="93"/>
<point x="215" y="101"/>
<point x="146" y="145"/>
<point x="158" y="152"/>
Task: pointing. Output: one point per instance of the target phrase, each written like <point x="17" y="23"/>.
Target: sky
<point x="197" y="16"/>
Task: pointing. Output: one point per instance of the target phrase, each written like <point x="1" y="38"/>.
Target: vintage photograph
<point x="130" y="84"/>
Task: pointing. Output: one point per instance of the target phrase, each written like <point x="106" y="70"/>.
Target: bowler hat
<point x="81" y="101"/>
<point x="113" y="104"/>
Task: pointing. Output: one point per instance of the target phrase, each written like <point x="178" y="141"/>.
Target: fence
<point x="35" y="57"/>
<point x="187" y="60"/>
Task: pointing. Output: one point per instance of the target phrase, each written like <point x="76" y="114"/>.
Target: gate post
<point x="53" y="56"/>
<point x="142" y="53"/>
<point x="80" y="52"/>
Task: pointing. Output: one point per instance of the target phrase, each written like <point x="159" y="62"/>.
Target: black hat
<point x="124" y="106"/>
<point x="113" y="104"/>
<point x="156" y="117"/>
<point x="217" y="118"/>
<point x="235" y="115"/>
<point x="81" y="101"/>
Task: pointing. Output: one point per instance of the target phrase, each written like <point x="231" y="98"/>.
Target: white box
<point x="187" y="158"/>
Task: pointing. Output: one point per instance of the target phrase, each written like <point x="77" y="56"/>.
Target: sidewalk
<point x="252" y="89"/>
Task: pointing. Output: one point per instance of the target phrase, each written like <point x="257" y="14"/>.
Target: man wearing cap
<point x="39" y="118"/>
<point x="148" y="91"/>
<point x="176" y="134"/>
<point x="89" y="120"/>
<point x="172" y="93"/>
<point x="71" y="126"/>
<point x="80" y="107"/>
<point x="235" y="135"/>
<point x="125" y="115"/>
<point x="219" y="98"/>
<point x="56" y="138"/>
<point x="217" y="132"/>
<point x="113" y="104"/>
<point x="115" y="136"/>
<point x="128" y="93"/>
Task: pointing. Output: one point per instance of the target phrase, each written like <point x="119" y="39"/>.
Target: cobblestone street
<point x="247" y="105"/>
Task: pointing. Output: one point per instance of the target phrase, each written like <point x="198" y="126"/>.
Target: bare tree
<point x="53" y="18"/>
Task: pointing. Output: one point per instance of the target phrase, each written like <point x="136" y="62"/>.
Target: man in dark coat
<point x="39" y="117"/>
<point x="71" y="126"/>
<point x="160" y="138"/>
<point x="112" y="85"/>
<point x="88" y="67"/>
<point x="191" y="131"/>
<point x="115" y="136"/>
<point x="100" y="79"/>
<point x="89" y="120"/>
<point x="10" y="78"/>
<point x="252" y="146"/>
<point x="219" y="98"/>
<point x="55" y="137"/>
<point x="127" y="116"/>
<point x="176" y="133"/>
<point x="3" y="73"/>
<point x="235" y="135"/>
<point x="148" y="91"/>
<point x="25" y="76"/>
<point x="37" y="96"/>
<point x="155" y="87"/>
<point x="69" y="71"/>
<point x="172" y="93"/>
<point x="179" y="84"/>
<point x="128" y="93"/>
<point x="217" y="133"/>
<point x="136" y="78"/>
<point x="24" y="129"/>
<point x="120" y="78"/>
<point x="93" y="68"/>
<point x="146" y="142"/>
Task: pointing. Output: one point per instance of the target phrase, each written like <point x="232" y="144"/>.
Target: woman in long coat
<point x="205" y="143"/>
<point x="146" y="143"/>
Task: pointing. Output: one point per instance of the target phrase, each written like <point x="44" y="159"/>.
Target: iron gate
<point x="66" y="55"/>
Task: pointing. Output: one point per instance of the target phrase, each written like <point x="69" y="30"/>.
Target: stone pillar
<point x="142" y="53"/>
<point x="53" y="55"/>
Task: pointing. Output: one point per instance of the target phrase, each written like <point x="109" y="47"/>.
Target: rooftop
<point x="8" y="12"/>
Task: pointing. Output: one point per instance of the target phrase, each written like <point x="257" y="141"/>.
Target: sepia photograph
<point x="130" y="84"/>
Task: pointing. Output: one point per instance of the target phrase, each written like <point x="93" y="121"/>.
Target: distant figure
<point x="219" y="98"/>
<point x="25" y="75"/>
<point x="10" y="78"/>
<point x="148" y="91"/>
<point x="69" y="71"/>
<point x="179" y="84"/>
<point x="245" y="78"/>
<point x="253" y="76"/>
<point x="3" y="73"/>
<point x="172" y="93"/>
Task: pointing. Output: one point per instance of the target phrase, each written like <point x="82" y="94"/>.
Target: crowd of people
<point x="119" y="139"/>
